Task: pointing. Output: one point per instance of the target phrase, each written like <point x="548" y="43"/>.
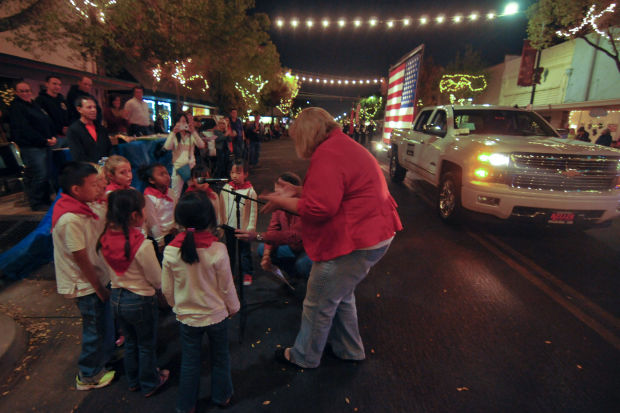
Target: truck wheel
<point x="397" y="172"/>
<point x="449" y="197"/>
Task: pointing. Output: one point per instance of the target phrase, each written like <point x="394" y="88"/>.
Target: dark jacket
<point x="604" y="139"/>
<point x="56" y="109"/>
<point x="83" y="147"/>
<point x="72" y="96"/>
<point x="30" y="125"/>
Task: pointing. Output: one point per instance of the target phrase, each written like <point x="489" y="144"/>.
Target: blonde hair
<point x="112" y="163"/>
<point x="309" y="129"/>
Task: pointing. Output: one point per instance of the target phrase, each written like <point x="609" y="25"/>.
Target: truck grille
<point x="563" y="172"/>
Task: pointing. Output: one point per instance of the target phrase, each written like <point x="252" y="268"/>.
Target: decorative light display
<point x="7" y="96"/>
<point x="389" y="23"/>
<point x="84" y="7"/>
<point x="286" y="104"/>
<point x="178" y="71"/>
<point x="251" y="92"/>
<point x="331" y="80"/>
<point x="461" y="82"/>
<point x="590" y="19"/>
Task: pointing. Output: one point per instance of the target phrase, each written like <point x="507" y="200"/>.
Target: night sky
<point x="369" y="52"/>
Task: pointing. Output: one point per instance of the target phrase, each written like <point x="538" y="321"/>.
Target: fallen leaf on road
<point x="278" y="346"/>
<point x="252" y="345"/>
<point x="579" y="366"/>
<point x="258" y="342"/>
<point x="346" y="399"/>
<point x="547" y="342"/>
<point x="378" y="295"/>
<point x="462" y="389"/>
<point x="5" y="393"/>
<point x="266" y="402"/>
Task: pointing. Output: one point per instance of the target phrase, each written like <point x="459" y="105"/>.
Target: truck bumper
<point x="505" y="202"/>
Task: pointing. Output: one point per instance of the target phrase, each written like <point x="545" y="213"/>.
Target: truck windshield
<point x="502" y="122"/>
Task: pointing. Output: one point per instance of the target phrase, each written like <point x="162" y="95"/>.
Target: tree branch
<point x="24" y="16"/>
<point x="607" y="52"/>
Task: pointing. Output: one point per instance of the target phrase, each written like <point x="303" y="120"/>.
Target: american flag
<point x="402" y="85"/>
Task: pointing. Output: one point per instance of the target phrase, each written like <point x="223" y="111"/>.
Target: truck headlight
<point x="491" y="167"/>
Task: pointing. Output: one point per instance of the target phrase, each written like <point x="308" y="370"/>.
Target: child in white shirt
<point x="136" y="275"/>
<point x="248" y="214"/>
<point x="198" y="284"/>
<point x="80" y="274"/>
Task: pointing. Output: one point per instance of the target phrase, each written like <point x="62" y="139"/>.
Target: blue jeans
<point x="189" y="383"/>
<point x="293" y="263"/>
<point x="97" y="335"/>
<point x="254" y="152"/>
<point x="37" y="174"/>
<point x="329" y="312"/>
<point x="137" y="316"/>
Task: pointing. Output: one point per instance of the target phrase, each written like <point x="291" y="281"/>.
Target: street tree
<point x="225" y="43"/>
<point x="553" y="21"/>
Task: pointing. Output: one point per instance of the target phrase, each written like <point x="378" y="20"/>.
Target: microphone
<point x="211" y="180"/>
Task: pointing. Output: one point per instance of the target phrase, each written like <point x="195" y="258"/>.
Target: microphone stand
<point x="244" y="305"/>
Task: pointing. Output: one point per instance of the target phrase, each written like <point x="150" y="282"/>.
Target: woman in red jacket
<point x="348" y="220"/>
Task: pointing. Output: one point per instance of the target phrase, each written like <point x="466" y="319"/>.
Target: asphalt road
<point x="470" y="318"/>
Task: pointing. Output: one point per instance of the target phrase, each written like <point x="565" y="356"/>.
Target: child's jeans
<point x="294" y="263"/>
<point x="97" y="335"/>
<point x="137" y="316"/>
<point x="189" y="383"/>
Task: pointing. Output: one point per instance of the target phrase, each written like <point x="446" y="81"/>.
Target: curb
<point x="13" y="342"/>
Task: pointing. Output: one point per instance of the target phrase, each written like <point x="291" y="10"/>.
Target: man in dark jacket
<point x="31" y="129"/>
<point x="87" y="139"/>
<point x="53" y="102"/>
<point x="605" y="138"/>
<point x="83" y="87"/>
<point x="582" y="135"/>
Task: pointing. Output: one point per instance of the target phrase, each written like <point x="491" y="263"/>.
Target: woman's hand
<point x="273" y="202"/>
<point x="265" y="262"/>
<point x="248" y="236"/>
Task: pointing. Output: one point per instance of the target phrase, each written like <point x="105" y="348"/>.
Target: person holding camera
<point x="182" y="141"/>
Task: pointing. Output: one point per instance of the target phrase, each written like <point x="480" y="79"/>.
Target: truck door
<point x="414" y="141"/>
<point x="434" y="141"/>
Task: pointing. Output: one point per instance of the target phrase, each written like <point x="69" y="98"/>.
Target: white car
<point x="509" y="163"/>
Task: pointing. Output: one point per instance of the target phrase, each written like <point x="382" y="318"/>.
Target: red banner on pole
<point x="528" y="61"/>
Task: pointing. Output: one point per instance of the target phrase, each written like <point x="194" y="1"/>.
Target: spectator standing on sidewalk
<point x="55" y="105"/>
<point x="31" y="129"/>
<point x="115" y="117"/>
<point x="605" y="138"/>
<point x="138" y="114"/>
<point x="238" y="141"/>
<point x="255" y="132"/>
<point x="87" y="139"/>
<point x="83" y="88"/>
<point x="348" y="221"/>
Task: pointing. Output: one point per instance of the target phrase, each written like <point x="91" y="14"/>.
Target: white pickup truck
<point x="509" y="163"/>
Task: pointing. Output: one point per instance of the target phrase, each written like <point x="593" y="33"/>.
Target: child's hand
<point x="103" y="294"/>
<point x="265" y="262"/>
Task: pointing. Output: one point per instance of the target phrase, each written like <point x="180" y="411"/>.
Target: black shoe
<point x="279" y="356"/>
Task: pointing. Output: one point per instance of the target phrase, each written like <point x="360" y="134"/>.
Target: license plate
<point x="562" y="218"/>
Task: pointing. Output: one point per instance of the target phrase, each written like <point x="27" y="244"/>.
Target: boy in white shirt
<point x="79" y="273"/>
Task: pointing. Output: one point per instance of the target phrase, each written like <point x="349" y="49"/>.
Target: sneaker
<point x="102" y="379"/>
<point x="247" y="279"/>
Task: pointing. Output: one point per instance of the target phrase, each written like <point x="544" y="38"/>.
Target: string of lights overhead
<point x="332" y="80"/>
<point x="424" y="20"/>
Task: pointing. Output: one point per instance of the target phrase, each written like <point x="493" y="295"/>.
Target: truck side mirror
<point x="434" y="129"/>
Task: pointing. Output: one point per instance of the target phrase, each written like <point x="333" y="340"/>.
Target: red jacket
<point x="284" y="229"/>
<point x="345" y="204"/>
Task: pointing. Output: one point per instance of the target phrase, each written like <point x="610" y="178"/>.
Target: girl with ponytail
<point x="198" y="284"/>
<point x="135" y="277"/>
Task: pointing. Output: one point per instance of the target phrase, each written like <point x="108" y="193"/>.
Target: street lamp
<point x="511" y="8"/>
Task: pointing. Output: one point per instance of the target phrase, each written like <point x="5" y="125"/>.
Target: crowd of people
<point x="78" y="123"/>
<point x="120" y="254"/>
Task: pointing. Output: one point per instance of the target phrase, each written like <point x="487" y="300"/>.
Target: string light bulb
<point x="325" y="23"/>
<point x="309" y="23"/>
<point x="440" y="19"/>
<point x="423" y="20"/>
<point x="357" y="23"/>
<point x="372" y="22"/>
<point x="341" y="23"/>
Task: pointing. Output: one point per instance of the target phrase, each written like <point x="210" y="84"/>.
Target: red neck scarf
<point x="67" y="203"/>
<point x="244" y="185"/>
<point x="157" y="193"/>
<point x="210" y="193"/>
<point x="113" y="186"/>
<point x="113" y="248"/>
<point x="203" y="239"/>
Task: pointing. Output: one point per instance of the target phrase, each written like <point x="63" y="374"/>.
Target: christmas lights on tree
<point x="462" y="83"/>
<point x="87" y="7"/>
<point x="251" y="90"/>
<point x="178" y="71"/>
<point x="591" y="19"/>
